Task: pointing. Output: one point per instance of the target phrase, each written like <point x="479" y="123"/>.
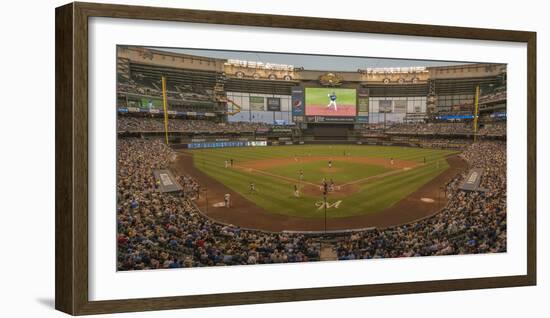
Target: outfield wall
<point x="232" y="144"/>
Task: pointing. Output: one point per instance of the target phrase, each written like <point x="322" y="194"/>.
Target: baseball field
<point x="361" y="179"/>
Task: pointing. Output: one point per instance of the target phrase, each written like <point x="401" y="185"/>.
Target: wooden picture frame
<point x="71" y="122"/>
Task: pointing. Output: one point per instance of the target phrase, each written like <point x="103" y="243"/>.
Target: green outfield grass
<point x="319" y="96"/>
<point x="275" y="193"/>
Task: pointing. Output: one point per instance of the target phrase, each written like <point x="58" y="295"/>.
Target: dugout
<point x="166" y="181"/>
<point x="472" y="182"/>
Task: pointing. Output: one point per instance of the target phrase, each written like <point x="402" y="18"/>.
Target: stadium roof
<point x="314" y="62"/>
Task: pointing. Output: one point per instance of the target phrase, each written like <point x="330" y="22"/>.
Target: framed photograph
<point x="210" y="158"/>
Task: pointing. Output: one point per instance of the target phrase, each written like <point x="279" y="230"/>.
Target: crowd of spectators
<point x="460" y="128"/>
<point x="160" y="230"/>
<point x="472" y="222"/>
<point x="444" y="143"/>
<point x="432" y="143"/>
<point x="498" y="94"/>
<point x="140" y="84"/>
<point x="493" y="129"/>
<point x="156" y="124"/>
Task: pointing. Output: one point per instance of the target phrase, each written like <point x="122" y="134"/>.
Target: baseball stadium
<point x="241" y="158"/>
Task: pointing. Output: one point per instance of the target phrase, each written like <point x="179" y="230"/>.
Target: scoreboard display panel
<point x="331" y="102"/>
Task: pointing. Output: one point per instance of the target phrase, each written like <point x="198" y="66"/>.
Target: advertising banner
<point x="453" y="117"/>
<point x="298" y="107"/>
<point x="274" y="104"/>
<point x="281" y="130"/>
<point x="385" y="106"/>
<point x="498" y="115"/>
<point x="363" y="101"/>
<point x="325" y="119"/>
<point x="298" y="119"/>
<point x="256" y="103"/>
<point x="151" y="103"/>
<point x="225" y="144"/>
<point x="400" y="106"/>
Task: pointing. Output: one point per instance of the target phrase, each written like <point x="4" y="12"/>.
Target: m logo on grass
<point x="321" y="205"/>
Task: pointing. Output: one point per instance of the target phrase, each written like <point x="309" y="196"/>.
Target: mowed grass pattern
<point x="276" y="195"/>
<point x="341" y="172"/>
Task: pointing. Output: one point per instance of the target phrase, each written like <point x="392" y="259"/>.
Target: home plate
<point x="427" y="200"/>
<point x="218" y="204"/>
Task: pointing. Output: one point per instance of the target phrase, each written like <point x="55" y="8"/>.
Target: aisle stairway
<point x="328" y="253"/>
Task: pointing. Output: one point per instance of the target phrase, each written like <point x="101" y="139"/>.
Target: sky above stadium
<point x="313" y="62"/>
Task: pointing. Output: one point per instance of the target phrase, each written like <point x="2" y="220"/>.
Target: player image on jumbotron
<point x="233" y="158"/>
<point x="332" y="101"/>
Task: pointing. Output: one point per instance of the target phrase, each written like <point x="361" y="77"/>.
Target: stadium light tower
<point x="476" y="112"/>
<point x="164" y="104"/>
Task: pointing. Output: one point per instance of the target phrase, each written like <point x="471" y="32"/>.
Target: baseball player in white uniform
<point x="227" y="200"/>
<point x="332" y="101"/>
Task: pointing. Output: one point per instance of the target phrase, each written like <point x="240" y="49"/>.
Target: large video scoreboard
<point x="329" y="105"/>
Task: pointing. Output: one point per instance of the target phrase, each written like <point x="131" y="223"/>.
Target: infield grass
<point x="340" y="172"/>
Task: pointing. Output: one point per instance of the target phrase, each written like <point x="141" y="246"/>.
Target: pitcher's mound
<point x="339" y="191"/>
